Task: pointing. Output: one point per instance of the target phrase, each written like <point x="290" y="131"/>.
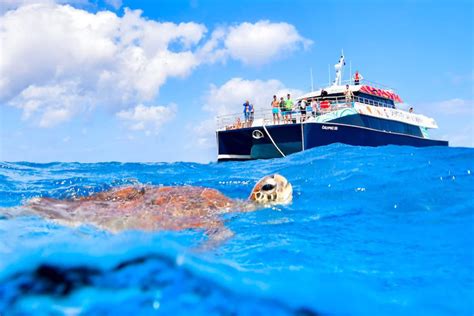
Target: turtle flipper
<point x="52" y="208"/>
<point x="12" y="212"/>
<point x="44" y="207"/>
<point x="216" y="236"/>
<point x="220" y="234"/>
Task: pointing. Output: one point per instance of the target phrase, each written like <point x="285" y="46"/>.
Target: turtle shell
<point x="144" y="208"/>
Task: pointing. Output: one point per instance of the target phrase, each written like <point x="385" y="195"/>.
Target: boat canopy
<point x="388" y="94"/>
<point x="336" y="89"/>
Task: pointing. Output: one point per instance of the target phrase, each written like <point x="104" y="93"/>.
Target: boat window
<point x="375" y="100"/>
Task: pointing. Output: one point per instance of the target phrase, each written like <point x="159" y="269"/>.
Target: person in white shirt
<point x="303" y="110"/>
<point x="349" y="95"/>
<point x="315" y="107"/>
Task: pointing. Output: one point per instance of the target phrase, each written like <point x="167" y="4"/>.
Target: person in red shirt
<point x="357" y="77"/>
<point x="325" y="105"/>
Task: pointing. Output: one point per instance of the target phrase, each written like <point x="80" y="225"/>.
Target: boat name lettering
<point x="331" y="128"/>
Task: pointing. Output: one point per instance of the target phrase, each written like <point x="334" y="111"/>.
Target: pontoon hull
<point x="239" y="144"/>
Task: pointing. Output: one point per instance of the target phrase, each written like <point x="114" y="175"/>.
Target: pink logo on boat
<point x="381" y="93"/>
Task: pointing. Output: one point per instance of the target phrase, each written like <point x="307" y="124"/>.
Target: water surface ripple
<point x="371" y="231"/>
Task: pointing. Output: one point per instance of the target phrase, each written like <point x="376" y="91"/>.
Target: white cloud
<point x="454" y="106"/>
<point x="213" y="51"/>
<point x="14" y="4"/>
<point x="116" y="4"/>
<point x="263" y="41"/>
<point x="462" y="136"/>
<point x="52" y="104"/>
<point x="115" y="61"/>
<point x="202" y="134"/>
<point x="455" y="118"/>
<point x="58" y="61"/>
<point x="147" y="118"/>
<point x="228" y="98"/>
<point x="254" y="43"/>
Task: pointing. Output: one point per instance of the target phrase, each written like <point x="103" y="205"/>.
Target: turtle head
<point x="273" y="189"/>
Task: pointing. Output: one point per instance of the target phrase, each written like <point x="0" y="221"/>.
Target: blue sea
<point x="371" y="231"/>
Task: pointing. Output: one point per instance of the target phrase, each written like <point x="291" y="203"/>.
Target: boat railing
<point x="365" y="82"/>
<point x="319" y="106"/>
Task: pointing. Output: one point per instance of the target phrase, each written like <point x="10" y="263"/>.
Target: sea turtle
<point x="159" y="207"/>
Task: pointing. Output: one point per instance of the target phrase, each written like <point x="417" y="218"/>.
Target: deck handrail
<point x="228" y="121"/>
<point x="365" y="82"/>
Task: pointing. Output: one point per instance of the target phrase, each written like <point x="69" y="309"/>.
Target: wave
<point x="383" y="230"/>
<point x="138" y="281"/>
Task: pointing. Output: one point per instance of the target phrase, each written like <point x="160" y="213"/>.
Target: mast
<point x="329" y="74"/>
<point x="350" y="72"/>
<point x="338" y="67"/>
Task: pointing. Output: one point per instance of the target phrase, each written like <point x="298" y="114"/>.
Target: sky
<point x="119" y="80"/>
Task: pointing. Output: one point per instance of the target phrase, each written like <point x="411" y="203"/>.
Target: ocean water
<point x="371" y="231"/>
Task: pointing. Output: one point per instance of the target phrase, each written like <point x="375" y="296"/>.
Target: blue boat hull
<point x="239" y="144"/>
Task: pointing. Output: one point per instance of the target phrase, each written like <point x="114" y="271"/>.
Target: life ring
<point x="257" y="134"/>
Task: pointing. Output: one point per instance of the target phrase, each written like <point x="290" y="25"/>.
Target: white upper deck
<point x="358" y="105"/>
<point x="369" y="98"/>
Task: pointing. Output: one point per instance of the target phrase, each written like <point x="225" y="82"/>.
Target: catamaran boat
<point x="371" y="115"/>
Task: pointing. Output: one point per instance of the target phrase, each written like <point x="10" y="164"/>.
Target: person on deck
<point x="357" y="77"/>
<point x="275" y="110"/>
<point x="237" y="124"/>
<point x="315" y="107"/>
<point x="309" y="109"/>
<point x="349" y="95"/>
<point x="283" y="109"/>
<point x="325" y="105"/>
<point x="251" y="115"/>
<point x="289" y="107"/>
<point x="246" y="106"/>
<point x="303" y="110"/>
